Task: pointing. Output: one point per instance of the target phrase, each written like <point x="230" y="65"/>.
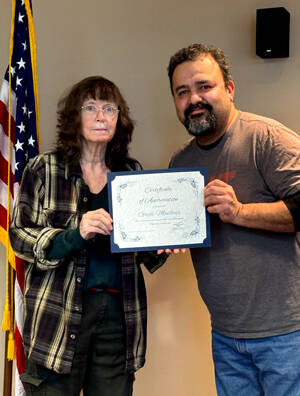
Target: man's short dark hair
<point x="192" y="52"/>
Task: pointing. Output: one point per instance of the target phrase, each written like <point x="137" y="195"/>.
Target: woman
<point x="85" y="308"/>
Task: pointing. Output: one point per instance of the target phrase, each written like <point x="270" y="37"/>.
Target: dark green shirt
<point x="104" y="268"/>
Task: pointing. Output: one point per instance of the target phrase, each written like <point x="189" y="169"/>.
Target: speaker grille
<point x="272" y="32"/>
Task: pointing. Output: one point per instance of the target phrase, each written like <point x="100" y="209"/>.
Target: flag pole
<point x="8" y="364"/>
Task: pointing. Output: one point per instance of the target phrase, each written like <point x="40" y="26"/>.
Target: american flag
<point x="19" y="142"/>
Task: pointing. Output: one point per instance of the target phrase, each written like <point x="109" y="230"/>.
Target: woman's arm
<point x="29" y="235"/>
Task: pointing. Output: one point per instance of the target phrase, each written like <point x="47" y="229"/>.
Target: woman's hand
<point x="95" y="222"/>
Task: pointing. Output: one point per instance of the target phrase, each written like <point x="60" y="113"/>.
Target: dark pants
<point x="99" y="361"/>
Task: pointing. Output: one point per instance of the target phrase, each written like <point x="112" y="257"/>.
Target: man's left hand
<point x="220" y="198"/>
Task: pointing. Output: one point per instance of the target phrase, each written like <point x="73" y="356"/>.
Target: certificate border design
<point x="112" y="175"/>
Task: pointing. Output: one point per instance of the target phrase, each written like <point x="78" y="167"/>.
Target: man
<point x="250" y="277"/>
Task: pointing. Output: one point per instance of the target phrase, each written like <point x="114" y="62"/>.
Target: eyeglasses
<point x="107" y="110"/>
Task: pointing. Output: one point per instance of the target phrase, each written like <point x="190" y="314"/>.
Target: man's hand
<point x="169" y="251"/>
<point x="95" y="222"/>
<point x="220" y="198"/>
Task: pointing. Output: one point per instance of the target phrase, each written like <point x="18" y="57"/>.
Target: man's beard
<point x="199" y="126"/>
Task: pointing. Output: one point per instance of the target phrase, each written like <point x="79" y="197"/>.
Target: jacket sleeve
<point x="151" y="260"/>
<point x="29" y="235"/>
<point x="293" y="204"/>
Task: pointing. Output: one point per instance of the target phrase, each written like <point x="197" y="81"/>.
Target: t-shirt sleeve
<point x="279" y="161"/>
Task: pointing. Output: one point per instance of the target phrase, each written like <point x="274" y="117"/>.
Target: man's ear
<point x="230" y="89"/>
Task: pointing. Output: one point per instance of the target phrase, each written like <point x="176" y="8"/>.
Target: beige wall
<point x="130" y="42"/>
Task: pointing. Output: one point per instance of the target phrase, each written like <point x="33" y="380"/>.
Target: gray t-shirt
<point x="250" y="279"/>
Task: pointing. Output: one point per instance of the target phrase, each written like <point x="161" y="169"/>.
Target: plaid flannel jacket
<point x="53" y="197"/>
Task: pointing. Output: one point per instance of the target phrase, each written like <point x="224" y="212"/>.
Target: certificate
<point x="158" y="209"/>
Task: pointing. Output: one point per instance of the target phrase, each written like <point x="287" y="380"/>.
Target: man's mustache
<point x="197" y="106"/>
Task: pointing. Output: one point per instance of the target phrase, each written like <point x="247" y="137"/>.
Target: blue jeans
<point x="268" y="366"/>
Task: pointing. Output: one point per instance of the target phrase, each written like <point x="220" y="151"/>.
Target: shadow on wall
<point x="179" y="359"/>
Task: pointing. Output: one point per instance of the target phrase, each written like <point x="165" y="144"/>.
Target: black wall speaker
<point x="272" y="32"/>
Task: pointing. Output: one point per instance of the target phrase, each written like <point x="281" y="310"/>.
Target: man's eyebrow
<point x="197" y="83"/>
<point x="181" y="87"/>
<point x="200" y="82"/>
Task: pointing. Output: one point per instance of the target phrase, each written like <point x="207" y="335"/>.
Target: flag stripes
<point x="19" y="142"/>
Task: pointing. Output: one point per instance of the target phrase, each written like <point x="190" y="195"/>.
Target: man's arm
<point x="220" y="198"/>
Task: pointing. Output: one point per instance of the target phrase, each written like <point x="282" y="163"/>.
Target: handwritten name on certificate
<point x="158" y="209"/>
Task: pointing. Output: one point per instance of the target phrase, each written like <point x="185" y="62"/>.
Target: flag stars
<point x="19" y="145"/>
<point x="18" y="82"/>
<point x="20" y="18"/>
<point x="25" y="140"/>
<point x="21" y="127"/>
<point x="31" y="141"/>
<point x="21" y="64"/>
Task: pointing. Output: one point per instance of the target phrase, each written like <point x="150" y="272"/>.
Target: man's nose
<point x="196" y="97"/>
